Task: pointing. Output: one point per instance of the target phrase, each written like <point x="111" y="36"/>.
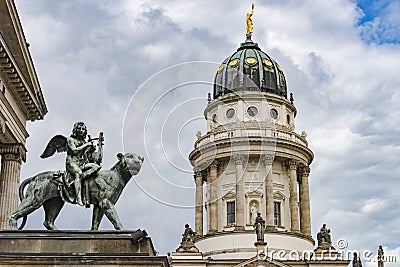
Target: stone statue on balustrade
<point x="324" y="239"/>
<point x="82" y="182"/>
<point x="381" y="257"/>
<point x="324" y="235"/>
<point x="259" y="226"/>
<point x="187" y="244"/>
<point x="356" y="260"/>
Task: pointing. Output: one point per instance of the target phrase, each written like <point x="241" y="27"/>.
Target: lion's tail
<point x="21" y="197"/>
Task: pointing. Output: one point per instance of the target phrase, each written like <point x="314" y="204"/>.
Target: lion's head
<point x="131" y="162"/>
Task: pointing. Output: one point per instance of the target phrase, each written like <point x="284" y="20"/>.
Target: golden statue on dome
<point x="249" y="23"/>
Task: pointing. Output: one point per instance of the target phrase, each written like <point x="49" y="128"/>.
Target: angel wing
<point x="57" y="143"/>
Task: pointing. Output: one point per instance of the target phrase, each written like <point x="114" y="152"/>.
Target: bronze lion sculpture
<point x="104" y="187"/>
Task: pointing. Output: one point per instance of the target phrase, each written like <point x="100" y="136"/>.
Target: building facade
<point x="251" y="161"/>
<point x="21" y="100"/>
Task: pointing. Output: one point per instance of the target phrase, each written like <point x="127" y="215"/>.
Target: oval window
<point x="274" y="113"/>
<point x="252" y="111"/>
<point x="230" y="113"/>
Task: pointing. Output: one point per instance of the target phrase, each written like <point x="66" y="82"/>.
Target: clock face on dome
<point x="252" y="111"/>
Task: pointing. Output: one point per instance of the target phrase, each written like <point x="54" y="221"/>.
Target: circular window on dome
<point x="274" y="113"/>
<point x="221" y="68"/>
<point x="230" y="113"/>
<point x="214" y="118"/>
<point x="233" y="63"/>
<point x="267" y="63"/>
<point x="252" y="111"/>
<point x="251" y="60"/>
<point x="279" y="67"/>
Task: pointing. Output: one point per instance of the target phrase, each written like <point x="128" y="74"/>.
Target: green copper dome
<point x="249" y="69"/>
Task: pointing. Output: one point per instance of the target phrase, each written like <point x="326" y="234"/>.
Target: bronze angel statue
<point x="82" y="159"/>
<point x="81" y="183"/>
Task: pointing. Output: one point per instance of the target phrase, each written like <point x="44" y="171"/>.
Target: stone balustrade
<point x="249" y="133"/>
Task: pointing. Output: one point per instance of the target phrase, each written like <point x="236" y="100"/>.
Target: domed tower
<point x="251" y="161"/>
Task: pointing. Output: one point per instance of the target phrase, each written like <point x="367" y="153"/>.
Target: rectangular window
<point x="3" y="87"/>
<point x="277" y="213"/>
<point x="230" y="212"/>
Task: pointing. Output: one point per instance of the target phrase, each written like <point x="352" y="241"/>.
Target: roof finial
<point x="249" y="23"/>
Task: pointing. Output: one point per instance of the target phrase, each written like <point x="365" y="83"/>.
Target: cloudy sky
<point x="105" y="62"/>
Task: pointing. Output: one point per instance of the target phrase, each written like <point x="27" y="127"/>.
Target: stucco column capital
<point x="292" y="164"/>
<point x="198" y="177"/>
<point x="214" y="165"/>
<point x="268" y="159"/>
<point x="305" y="171"/>
<point x="238" y="159"/>
<point x="14" y="152"/>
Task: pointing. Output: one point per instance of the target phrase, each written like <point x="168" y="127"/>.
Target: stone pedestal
<point x="325" y="251"/>
<point x="261" y="253"/>
<point x="187" y="246"/>
<point x="77" y="248"/>
<point x="185" y="259"/>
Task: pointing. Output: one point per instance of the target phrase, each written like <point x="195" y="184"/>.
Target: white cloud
<point x="373" y="205"/>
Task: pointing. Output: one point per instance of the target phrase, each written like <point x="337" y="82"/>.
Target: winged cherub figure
<point x="82" y="159"/>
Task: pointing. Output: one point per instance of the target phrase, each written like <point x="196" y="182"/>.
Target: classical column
<point x="268" y="160"/>
<point x="240" y="208"/>
<point x="213" y="201"/>
<point x="305" y="218"/>
<point x="11" y="158"/>
<point x="294" y="198"/>
<point x="199" y="203"/>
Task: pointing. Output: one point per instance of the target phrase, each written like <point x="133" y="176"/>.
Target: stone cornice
<point x="199" y="156"/>
<point x="30" y="101"/>
<point x="2" y="125"/>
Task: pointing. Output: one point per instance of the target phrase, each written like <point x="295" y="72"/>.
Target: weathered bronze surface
<point x="81" y="183"/>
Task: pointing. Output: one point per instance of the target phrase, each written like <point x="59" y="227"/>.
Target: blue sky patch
<point x="381" y="21"/>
